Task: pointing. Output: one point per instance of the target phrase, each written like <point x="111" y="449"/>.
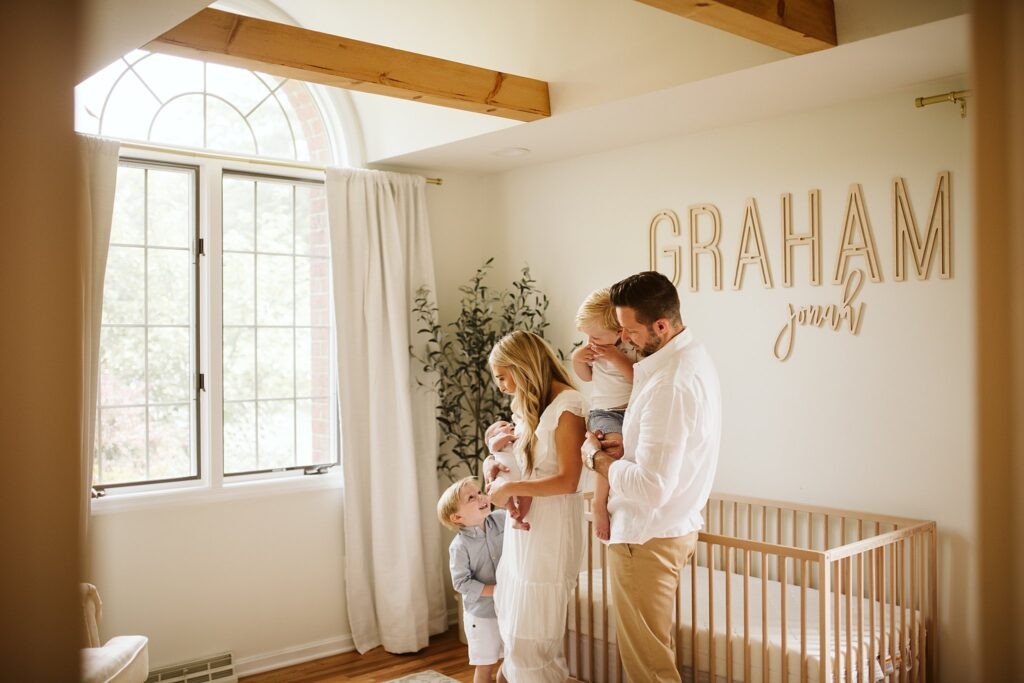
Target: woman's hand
<point x="492" y="468"/>
<point x="499" y="493"/>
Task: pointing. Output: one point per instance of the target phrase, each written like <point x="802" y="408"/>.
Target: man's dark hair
<point x="650" y="294"/>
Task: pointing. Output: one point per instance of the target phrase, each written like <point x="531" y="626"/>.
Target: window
<point x="147" y="391"/>
<point x="215" y="349"/>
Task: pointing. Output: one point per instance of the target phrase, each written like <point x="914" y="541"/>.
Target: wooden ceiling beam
<point x="795" y="26"/>
<point x="301" y="54"/>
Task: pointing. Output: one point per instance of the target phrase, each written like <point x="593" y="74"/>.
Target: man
<point x="660" y="475"/>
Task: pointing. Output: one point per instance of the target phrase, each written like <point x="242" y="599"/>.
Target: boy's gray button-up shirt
<point x="473" y="559"/>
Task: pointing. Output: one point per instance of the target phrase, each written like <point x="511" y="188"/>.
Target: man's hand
<point x="492" y="468"/>
<point x="611" y="444"/>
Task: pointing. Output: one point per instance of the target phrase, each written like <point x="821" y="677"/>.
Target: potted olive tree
<point x="455" y="355"/>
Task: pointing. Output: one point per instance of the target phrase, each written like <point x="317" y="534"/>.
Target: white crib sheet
<point x="774" y="627"/>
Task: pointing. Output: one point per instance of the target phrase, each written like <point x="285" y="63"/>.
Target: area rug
<point x="422" y="677"/>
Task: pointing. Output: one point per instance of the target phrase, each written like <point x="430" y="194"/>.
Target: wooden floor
<point x="445" y="655"/>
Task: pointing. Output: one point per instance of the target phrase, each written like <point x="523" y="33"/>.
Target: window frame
<point x="211" y="483"/>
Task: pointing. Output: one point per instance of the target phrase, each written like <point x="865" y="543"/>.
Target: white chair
<point x="123" y="659"/>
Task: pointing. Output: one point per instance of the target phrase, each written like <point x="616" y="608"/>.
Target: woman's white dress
<point x="538" y="567"/>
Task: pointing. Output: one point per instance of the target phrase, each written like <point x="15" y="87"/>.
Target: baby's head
<point x="463" y="504"/>
<point x="596" y="319"/>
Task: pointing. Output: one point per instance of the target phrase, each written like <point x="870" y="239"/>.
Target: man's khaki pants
<point x="644" y="578"/>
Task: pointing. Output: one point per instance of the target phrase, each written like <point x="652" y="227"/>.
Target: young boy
<point x="607" y="363"/>
<point x="473" y="557"/>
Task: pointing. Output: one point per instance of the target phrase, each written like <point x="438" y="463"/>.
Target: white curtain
<point x="97" y="160"/>
<point x="380" y="251"/>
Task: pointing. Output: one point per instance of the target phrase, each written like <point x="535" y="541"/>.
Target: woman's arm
<point x="569" y="436"/>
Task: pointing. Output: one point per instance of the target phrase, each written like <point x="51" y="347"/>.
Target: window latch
<point x="318" y="469"/>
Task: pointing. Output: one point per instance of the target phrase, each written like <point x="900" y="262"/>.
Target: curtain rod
<point x="229" y="157"/>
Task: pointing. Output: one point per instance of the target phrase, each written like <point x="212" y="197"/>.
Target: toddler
<point x="473" y="558"/>
<point x="607" y="362"/>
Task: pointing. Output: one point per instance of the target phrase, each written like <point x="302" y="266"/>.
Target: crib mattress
<point x="684" y="631"/>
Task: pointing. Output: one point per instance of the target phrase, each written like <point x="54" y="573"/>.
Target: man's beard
<point x="652" y="345"/>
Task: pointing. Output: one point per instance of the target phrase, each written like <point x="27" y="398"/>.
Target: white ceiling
<point x="866" y="68"/>
<point x="619" y="71"/>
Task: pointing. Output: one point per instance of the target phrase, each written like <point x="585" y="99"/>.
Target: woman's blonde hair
<point x="599" y="308"/>
<point x="533" y="366"/>
<point x="449" y="502"/>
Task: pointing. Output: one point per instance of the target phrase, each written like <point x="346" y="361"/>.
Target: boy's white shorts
<point x="484" y="640"/>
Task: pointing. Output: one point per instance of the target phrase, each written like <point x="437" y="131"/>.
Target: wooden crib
<point x="782" y="593"/>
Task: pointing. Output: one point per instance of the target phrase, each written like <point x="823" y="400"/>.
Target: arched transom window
<point x="179" y="102"/>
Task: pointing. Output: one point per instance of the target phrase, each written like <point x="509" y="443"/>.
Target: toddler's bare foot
<point x="602" y="523"/>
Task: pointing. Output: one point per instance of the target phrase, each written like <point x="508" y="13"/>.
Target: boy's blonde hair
<point x="449" y="502"/>
<point x="598" y="307"/>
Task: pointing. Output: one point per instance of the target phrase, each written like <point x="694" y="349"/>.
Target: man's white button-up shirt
<point x="671" y="436"/>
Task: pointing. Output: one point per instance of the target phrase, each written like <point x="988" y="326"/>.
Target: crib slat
<point x="711" y="611"/>
<point x="892" y="607"/>
<point x="871" y="609"/>
<point x="746" y="616"/>
<point x="728" y="613"/>
<point x="693" y="614"/>
<point x="916" y="609"/>
<point x="860" y="617"/>
<point x="901" y="572"/>
<point x="846" y="565"/>
<point x="764" y="617"/>
<point x="828" y="522"/>
<point x="931" y="642"/>
<point x="835" y="619"/>
<point x="824" y="667"/>
<point x="781" y="566"/>
<point x="882" y="637"/>
<point x="803" y="621"/>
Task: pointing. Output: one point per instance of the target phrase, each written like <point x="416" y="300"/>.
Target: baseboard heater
<point x="219" y="668"/>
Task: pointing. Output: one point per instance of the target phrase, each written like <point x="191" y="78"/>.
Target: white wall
<point x="880" y="422"/>
<point x="255" y="576"/>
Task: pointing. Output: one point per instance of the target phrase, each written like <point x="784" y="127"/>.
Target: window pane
<point x="239" y="363"/>
<point x="276" y="421"/>
<point x="170" y="367"/>
<point x="275" y="371"/>
<point x="276" y="305"/>
<point x="240" y="437"/>
<point x="170" y="442"/>
<point x="123" y="366"/>
<point x="169" y="278"/>
<point x="312" y="363"/>
<point x="147" y="388"/>
<point x="239" y="206"/>
<point x="240" y="87"/>
<point x="226" y="129"/>
<point x="180" y="122"/>
<point x="274" y="218"/>
<point x="129" y="109"/>
<point x="239" y="289"/>
<point x="272" y="130"/>
<point x="169" y="76"/>
<point x="129" y="223"/>
<point x="124" y="288"/>
<point x="122" y="446"/>
<point x="169" y="194"/>
<point x="313" y="431"/>
<point x="310" y="221"/>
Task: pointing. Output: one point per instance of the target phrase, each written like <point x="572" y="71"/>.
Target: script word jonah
<point x="813" y="315"/>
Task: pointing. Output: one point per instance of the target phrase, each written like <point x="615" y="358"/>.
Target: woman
<point x="538" y="567"/>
